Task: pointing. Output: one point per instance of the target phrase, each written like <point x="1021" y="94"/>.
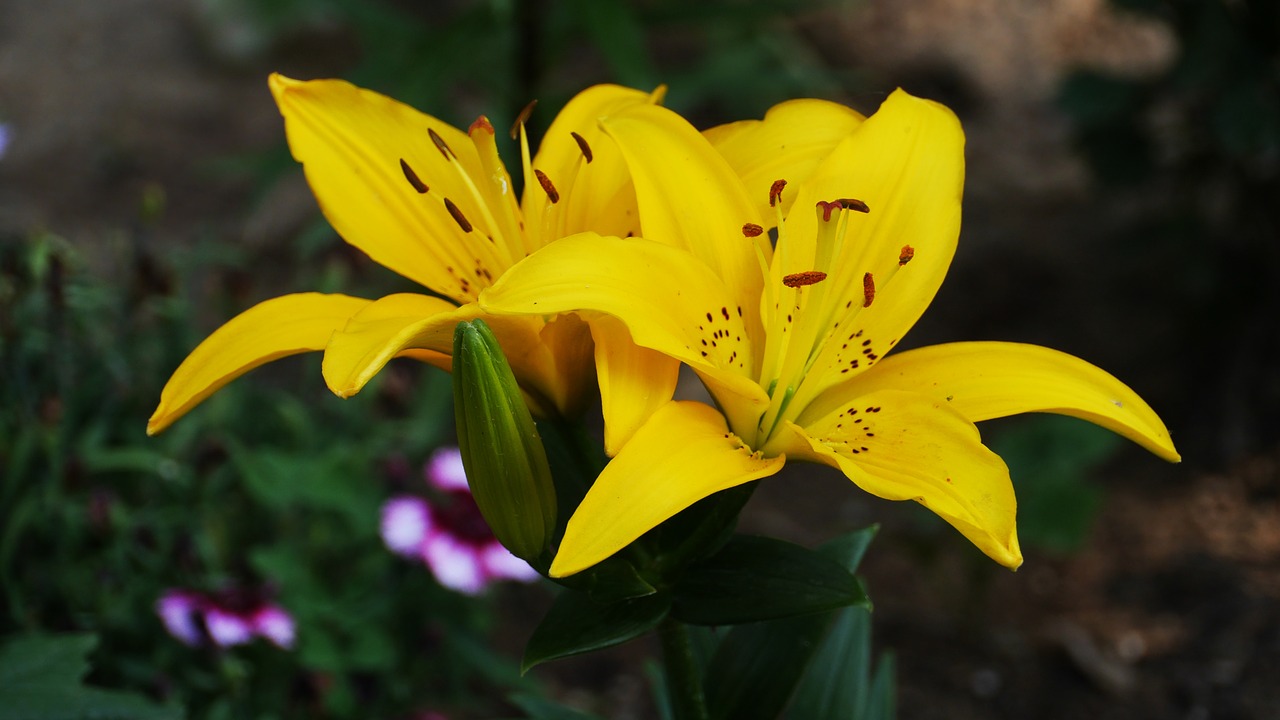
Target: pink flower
<point x="178" y="611"/>
<point x="448" y="533"/>
<point x="232" y="618"/>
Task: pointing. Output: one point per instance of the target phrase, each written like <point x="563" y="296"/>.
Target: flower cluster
<point x="225" y="619"/>
<point x="448" y="533"/>
<point x="782" y="260"/>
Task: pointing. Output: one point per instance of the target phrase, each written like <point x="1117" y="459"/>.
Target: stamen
<point x="748" y="229"/>
<point x="853" y="204"/>
<point x="583" y="146"/>
<point x="801" y="279"/>
<point x="828" y="207"/>
<point x="412" y="177"/>
<point x="481" y="123"/>
<point x="905" y="256"/>
<point x="547" y="186"/>
<point x="775" y="192"/>
<point x="522" y="118"/>
<point x="868" y="289"/>
<point x="458" y="217"/>
<point x="441" y="145"/>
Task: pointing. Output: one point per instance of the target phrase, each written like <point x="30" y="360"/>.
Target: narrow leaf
<point x="609" y="581"/>
<point x="577" y="624"/>
<point x="757" y="666"/>
<point x="542" y="709"/>
<point x="755" y="578"/>
<point x="838" y="681"/>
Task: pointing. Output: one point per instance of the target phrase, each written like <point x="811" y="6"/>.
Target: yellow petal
<point x="682" y="455"/>
<point x="570" y="366"/>
<point x="690" y="198"/>
<point x="400" y="325"/>
<point x="986" y="380"/>
<point x="668" y="299"/>
<point x="788" y="144"/>
<point x="907" y="163"/>
<point x="595" y="195"/>
<point x="351" y="142"/>
<point x="909" y="446"/>
<point x="634" y="381"/>
<point x="271" y="329"/>
<point x="379" y="332"/>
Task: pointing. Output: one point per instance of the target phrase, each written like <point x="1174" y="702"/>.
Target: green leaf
<point x="882" y="703"/>
<point x="837" y="682"/>
<point x="757" y="666"/>
<point x="849" y="549"/>
<point x="698" y="531"/>
<point x="755" y="578"/>
<point x="542" y="709"/>
<point x="577" y="624"/>
<point x="837" y="678"/>
<point x="755" y="669"/>
<point x="610" y="581"/>
<point x="40" y="679"/>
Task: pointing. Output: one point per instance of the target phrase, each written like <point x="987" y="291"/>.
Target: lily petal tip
<point x="560" y="568"/>
<point x="158" y="422"/>
<point x="281" y="84"/>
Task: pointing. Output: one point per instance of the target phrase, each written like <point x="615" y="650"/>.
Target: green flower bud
<point x="503" y="455"/>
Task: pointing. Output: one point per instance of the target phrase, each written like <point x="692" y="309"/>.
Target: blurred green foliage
<point x="732" y="58"/>
<point x="271" y="485"/>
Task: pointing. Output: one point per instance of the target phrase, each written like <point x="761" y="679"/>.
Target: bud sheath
<point x="503" y="455"/>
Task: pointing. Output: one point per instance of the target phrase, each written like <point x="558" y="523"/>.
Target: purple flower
<point x="448" y="533"/>
<point x="178" y="610"/>
<point x="229" y="619"/>
<point x="445" y="472"/>
<point x="227" y="628"/>
<point x="274" y="624"/>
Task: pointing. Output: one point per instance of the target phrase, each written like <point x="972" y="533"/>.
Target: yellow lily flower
<point x="793" y="345"/>
<point x="435" y="204"/>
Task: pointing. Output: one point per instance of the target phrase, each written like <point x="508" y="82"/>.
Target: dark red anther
<point x="868" y="289"/>
<point x="458" y="217"/>
<point x="801" y="279"/>
<point x="412" y="177"/>
<point x="583" y="146"/>
<point x="522" y="118"/>
<point x="545" y="182"/>
<point x="752" y="230"/>
<point x="827" y="208"/>
<point x="481" y="123"/>
<point x="905" y="256"/>
<point x="853" y="204"/>
<point x="441" y="145"/>
<point x="775" y="192"/>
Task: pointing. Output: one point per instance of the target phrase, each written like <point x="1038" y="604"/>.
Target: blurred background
<point x="1122" y="204"/>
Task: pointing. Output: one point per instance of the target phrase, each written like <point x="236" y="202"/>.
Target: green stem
<point x="684" y="684"/>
